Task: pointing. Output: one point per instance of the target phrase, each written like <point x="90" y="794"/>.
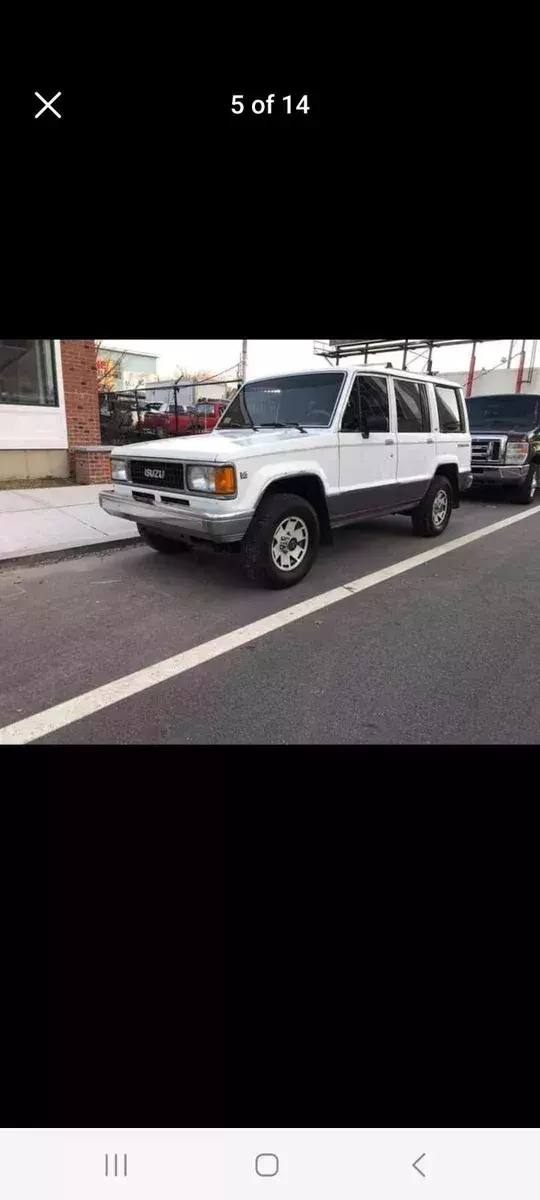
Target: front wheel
<point x="282" y="541"/>
<point x="526" y="492"/>
<point x="433" y="514"/>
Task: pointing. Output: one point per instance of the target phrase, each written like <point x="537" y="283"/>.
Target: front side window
<point x="451" y="418"/>
<point x="373" y="390"/>
<point x="412" y="406"/>
<point x="285" y="400"/>
<point x="369" y="396"/>
<point x="27" y="374"/>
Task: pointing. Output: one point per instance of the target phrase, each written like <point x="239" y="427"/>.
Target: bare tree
<point x="108" y="368"/>
<point x="196" y="376"/>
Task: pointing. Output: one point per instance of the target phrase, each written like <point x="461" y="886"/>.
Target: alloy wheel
<point x="290" y="543"/>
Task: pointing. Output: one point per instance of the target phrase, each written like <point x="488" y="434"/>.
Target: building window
<point x="27" y="372"/>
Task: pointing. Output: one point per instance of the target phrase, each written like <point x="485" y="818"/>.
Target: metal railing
<point x="138" y="415"/>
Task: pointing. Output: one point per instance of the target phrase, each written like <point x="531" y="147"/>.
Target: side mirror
<point x="377" y="423"/>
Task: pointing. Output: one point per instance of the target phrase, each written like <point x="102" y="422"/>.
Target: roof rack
<point x="422" y="348"/>
<point x="348" y="348"/>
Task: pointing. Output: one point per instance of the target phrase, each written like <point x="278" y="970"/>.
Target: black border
<point x="394" y="899"/>
<point x="301" y="953"/>
<point x="198" y="222"/>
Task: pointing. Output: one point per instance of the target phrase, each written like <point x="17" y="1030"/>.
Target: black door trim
<point x="365" y="502"/>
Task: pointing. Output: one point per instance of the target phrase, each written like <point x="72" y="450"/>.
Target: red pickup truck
<point x="201" y="418"/>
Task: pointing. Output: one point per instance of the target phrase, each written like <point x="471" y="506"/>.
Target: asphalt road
<point x="444" y="653"/>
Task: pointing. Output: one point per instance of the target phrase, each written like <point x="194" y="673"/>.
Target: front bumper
<point x="465" y="480"/>
<point x="178" y="522"/>
<point x="500" y="475"/>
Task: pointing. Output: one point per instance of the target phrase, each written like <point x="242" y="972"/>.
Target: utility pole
<point x="521" y="367"/>
<point x="470" y="377"/>
<point x="243" y="362"/>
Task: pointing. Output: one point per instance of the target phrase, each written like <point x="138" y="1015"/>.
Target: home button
<point x="267" y="1164"/>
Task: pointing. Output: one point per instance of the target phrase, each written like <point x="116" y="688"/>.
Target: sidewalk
<point x="39" y="521"/>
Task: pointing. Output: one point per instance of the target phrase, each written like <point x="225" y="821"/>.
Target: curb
<point x="33" y="557"/>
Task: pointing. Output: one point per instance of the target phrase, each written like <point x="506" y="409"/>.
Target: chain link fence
<point x="158" y="412"/>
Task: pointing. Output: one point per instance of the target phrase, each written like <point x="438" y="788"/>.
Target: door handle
<point x="389" y="442"/>
<point x="430" y="441"/>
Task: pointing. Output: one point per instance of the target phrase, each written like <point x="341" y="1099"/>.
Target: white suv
<point x="295" y="456"/>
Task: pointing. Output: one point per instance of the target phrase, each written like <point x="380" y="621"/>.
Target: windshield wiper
<point x="283" y="425"/>
<point x="236" y="425"/>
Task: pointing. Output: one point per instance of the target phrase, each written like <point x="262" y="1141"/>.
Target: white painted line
<point x="60" y="715"/>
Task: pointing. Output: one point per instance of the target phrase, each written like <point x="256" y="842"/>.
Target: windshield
<point x="503" y="412"/>
<point x="285" y="400"/>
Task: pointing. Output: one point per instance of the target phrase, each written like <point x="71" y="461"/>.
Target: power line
<point x="209" y="377"/>
<point x="488" y="370"/>
<point x="224" y="372"/>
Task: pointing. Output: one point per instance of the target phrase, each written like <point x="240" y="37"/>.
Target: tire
<point x="526" y="492"/>
<point x="433" y="514"/>
<point x="266" y="559"/>
<point x="163" y="544"/>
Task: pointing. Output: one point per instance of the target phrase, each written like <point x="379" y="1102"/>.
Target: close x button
<point x="48" y="105"/>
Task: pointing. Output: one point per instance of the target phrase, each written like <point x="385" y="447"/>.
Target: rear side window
<point x="451" y="419"/>
<point x="412" y="406"/>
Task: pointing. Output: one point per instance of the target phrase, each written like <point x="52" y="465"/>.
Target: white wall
<point x="186" y="395"/>
<point x="132" y="379"/>
<point x="496" y="382"/>
<point x="35" y="426"/>
<point x="211" y="391"/>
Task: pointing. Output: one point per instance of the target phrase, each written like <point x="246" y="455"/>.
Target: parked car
<point x="170" y="422"/>
<point x="505" y="431"/>
<point x="118" y="412"/>
<point x="293" y="458"/>
<point x="140" y="407"/>
<point x="157" y="421"/>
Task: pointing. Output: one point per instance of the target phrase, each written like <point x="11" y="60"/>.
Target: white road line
<point x="60" y="715"/>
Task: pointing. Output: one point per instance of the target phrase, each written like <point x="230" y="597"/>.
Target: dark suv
<point x="505" y="431"/>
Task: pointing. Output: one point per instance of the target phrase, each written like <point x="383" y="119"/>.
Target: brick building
<point x="49" y="411"/>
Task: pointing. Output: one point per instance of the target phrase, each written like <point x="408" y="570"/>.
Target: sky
<point x="281" y="355"/>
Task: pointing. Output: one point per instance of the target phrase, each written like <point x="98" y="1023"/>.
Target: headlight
<point x="219" y="481"/>
<point x="516" y="452"/>
<point x="119" y="469"/>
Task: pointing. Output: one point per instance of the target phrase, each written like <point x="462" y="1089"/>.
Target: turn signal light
<point x="225" y="480"/>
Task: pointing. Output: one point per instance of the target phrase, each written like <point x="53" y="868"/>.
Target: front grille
<point x="485" y="450"/>
<point x="157" y="474"/>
